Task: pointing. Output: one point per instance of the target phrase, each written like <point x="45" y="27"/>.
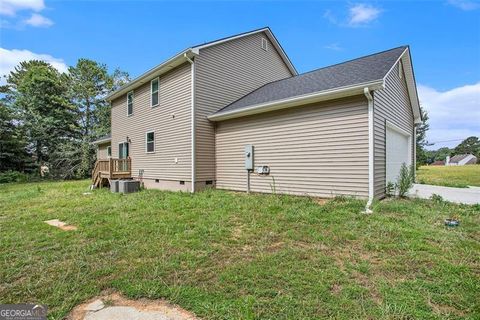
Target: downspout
<point x="367" y="94"/>
<point x="192" y="115"/>
<point x="414" y="160"/>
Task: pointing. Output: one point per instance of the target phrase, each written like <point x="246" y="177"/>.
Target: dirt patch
<point x="115" y="306"/>
<point x="442" y="309"/>
<point x="336" y="289"/>
<point x="61" y="225"/>
<point x="321" y="201"/>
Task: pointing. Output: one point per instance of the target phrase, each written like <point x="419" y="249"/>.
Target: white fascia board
<point x="169" y="64"/>
<point x="298" y="100"/>
<point x="101" y="141"/>
<point x="270" y="36"/>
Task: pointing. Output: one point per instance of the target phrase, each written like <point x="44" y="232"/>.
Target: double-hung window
<point x="154" y="86"/>
<point x="150" y="142"/>
<point x="130" y="103"/>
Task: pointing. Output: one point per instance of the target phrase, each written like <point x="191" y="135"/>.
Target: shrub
<point x="13" y="176"/>
<point x="405" y="180"/>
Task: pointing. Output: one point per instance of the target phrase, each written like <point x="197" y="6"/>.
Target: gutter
<point x="298" y="100"/>
<point x="101" y="141"/>
<point x="192" y="115"/>
<point x="169" y="64"/>
<point x="366" y="92"/>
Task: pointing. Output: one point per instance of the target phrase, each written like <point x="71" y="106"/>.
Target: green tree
<point x="90" y="83"/>
<point x="421" y="138"/>
<point x="38" y="94"/>
<point x="13" y="152"/>
<point x="442" y="153"/>
<point x="469" y="145"/>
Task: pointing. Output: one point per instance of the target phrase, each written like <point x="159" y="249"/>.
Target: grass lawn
<point x="450" y="176"/>
<point x="226" y="255"/>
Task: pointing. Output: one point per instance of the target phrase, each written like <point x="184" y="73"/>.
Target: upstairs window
<point x="154" y="92"/>
<point x="130" y="103"/>
<point x="150" y="142"/>
<point x="264" y="44"/>
<point x="400" y="69"/>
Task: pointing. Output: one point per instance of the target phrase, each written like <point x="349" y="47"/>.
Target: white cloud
<point x="453" y="114"/>
<point x="11" y="58"/>
<point x="362" y="14"/>
<point x="37" y="20"/>
<point x="358" y="15"/>
<point x="10" y="7"/>
<point x="465" y="4"/>
<point x="334" y="46"/>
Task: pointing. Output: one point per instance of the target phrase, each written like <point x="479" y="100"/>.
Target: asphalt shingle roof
<point x="361" y="70"/>
<point x="105" y="137"/>
<point x="458" y="158"/>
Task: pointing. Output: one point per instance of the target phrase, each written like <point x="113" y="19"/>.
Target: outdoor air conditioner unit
<point x="128" y="186"/>
<point x="114" y="185"/>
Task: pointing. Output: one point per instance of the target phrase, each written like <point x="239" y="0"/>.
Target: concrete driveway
<point x="469" y="195"/>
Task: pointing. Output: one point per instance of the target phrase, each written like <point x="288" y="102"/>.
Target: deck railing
<point x="110" y="167"/>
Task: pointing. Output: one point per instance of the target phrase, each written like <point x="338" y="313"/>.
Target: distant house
<point x="438" y="163"/>
<point x="235" y="114"/>
<point x="461" y="160"/>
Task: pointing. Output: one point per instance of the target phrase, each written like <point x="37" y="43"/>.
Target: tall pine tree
<point x="39" y="95"/>
<point x="90" y="83"/>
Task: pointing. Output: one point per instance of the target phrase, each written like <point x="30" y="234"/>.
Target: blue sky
<point x="136" y="35"/>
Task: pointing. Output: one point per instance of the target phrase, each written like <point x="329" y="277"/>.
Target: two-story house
<point x="192" y="121"/>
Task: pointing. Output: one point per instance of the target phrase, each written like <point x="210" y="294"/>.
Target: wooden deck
<point x="106" y="169"/>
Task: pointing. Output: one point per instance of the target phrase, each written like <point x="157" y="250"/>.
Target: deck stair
<point x="107" y="169"/>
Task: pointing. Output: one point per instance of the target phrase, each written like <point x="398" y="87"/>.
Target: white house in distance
<point x="461" y="160"/>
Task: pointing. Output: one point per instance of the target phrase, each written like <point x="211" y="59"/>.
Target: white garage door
<point x="398" y="152"/>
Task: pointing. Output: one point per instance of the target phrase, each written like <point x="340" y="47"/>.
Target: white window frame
<point x="109" y="152"/>
<point x="146" y="141"/>
<point x="133" y="97"/>
<point x="264" y="41"/>
<point x="123" y="143"/>
<point x="158" y="92"/>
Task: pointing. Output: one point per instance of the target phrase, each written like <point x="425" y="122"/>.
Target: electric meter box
<point x="249" y="157"/>
<point x="264" y="170"/>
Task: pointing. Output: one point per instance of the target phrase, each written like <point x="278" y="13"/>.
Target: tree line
<point x="470" y="145"/>
<point x="49" y="119"/>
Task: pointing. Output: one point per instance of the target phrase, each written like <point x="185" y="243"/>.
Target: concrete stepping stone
<point x="60" y="224"/>
<point x="95" y="305"/>
<point x="114" y="306"/>
<point x="126" y="313"/>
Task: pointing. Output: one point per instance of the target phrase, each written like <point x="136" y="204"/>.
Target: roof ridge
<point x="351" y="60"/>
<point x="232" y="36"/>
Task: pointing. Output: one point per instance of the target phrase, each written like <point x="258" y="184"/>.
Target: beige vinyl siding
<point x="170" y="120"/>
<point x="102" y="150"/>
<point x="317" y="150"/>
<point x="223" y="74"/>
<point x="392" y="104"/>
